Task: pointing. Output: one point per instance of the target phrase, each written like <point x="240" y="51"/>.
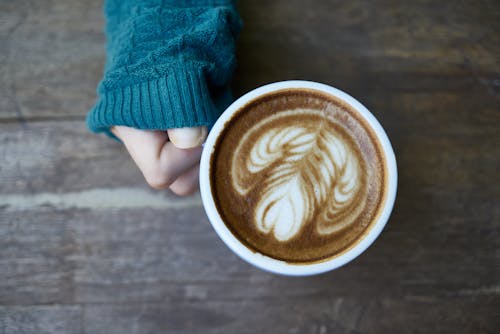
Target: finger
<point x="187" y="183"/>
<point x="173" y="163"/>
<point x="188" y="137"/>
<point x="144" y="146"/>
<point x="159" y="160"/>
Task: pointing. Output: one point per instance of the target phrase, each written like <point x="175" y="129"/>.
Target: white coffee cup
<point x="265" y="262"/>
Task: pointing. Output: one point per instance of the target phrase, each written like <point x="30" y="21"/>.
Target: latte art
<point x="297" y="175"/>
<point x="301" y="162"/>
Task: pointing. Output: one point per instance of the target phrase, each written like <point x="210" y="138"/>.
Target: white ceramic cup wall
<point x="263" y="261"/>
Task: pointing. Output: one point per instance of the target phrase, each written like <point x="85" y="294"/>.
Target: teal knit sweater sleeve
<point x="168" y="65"/>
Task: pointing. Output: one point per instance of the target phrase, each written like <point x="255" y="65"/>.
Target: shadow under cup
<point x="297" y="178"/>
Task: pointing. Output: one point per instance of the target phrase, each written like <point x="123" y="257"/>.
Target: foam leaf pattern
<point x="302" y="168"/>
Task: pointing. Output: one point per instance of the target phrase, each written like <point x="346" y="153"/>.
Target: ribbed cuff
<point x="179" y="99"/>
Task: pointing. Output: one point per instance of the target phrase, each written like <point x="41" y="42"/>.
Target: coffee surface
<point x="298" y="175"/>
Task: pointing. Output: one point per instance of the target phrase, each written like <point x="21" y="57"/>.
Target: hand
<point x="167" y="159"/>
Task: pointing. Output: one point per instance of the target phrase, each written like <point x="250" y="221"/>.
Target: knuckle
<point x="184" y="190"/>
<point x="157" y="179"/>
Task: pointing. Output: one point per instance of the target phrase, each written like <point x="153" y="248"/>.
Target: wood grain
<point x="52" y="58"/>
<point x="86" y="247"/>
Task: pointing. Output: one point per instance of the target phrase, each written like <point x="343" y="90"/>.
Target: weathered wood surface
<point x="86" y="247"/>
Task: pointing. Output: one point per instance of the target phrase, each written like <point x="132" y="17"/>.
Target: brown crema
<point x="298" y="175"/>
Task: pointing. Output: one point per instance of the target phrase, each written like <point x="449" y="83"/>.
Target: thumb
<point x="187" y="137"/>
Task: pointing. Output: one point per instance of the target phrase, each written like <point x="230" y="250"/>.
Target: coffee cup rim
<point x="265" y="262"/>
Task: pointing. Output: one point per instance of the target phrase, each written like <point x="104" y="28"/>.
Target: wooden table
<point x="87" y="247"/>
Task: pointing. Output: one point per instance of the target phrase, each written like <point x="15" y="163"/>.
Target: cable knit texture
<point x="169" y="64"/>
